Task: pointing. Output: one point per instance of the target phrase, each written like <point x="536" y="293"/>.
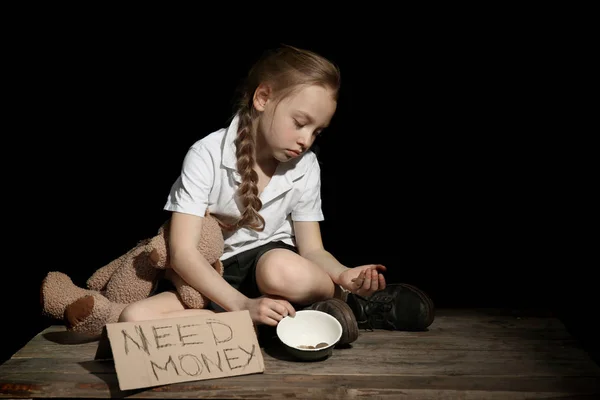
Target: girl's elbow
<point x="181" y="257"/>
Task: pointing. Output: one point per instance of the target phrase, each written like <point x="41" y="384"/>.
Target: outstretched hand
<point x="364" y="280"/>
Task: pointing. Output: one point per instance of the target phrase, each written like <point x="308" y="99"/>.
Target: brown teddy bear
<point x="127" y="279"/>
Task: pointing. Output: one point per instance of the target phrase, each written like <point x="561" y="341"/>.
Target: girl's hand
<point x="269" y="310"/>
<point x="364" y="280"/>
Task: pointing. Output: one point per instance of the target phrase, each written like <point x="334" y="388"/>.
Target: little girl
<point x="261" y="179"/>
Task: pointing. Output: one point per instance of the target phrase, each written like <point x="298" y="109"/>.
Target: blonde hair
<point x="284" y="69"/>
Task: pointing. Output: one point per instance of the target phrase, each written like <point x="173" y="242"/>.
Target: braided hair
<point x="285" y="69"/>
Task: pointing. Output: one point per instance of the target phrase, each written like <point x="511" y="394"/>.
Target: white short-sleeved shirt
<point x="209" y="181"/>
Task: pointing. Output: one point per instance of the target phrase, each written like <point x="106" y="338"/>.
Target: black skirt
<point x="239" y="271"/>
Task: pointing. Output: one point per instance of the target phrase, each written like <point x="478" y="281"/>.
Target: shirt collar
<point x="228" y="157"/>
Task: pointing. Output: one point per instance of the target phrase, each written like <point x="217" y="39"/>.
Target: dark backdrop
<point x="445" y="162"/>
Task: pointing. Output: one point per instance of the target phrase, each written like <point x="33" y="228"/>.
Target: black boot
<point x="343" y="313"/>
<point x="399" y="307"/>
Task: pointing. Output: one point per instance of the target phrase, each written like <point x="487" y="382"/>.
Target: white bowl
<point x="309" y="328"/>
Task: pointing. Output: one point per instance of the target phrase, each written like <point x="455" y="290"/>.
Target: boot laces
<point x="374" y="308"/>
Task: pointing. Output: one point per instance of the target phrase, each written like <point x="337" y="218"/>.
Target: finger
<point x="269" y="321"/>
<point x="290" y="308"/>
<point x="357" y="279"/>
<point x="366" y="286"/>
<point x="374" y="280"/>
<point x="360" y="279"/>
<point x="271" y="316"/>
<point x="277" y="315"/>
<point x="278" y="308"/>
<point x="285" y="308"/>
<point x="382" y="283"/>
<point x="380" y="267"/>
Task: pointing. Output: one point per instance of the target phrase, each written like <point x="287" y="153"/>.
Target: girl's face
<point x="288" y="128"/>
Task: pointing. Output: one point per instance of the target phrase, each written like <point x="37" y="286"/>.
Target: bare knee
<point x="277" y="276"/>
<point x="137" y="312"/>
<point x="154" y="307"/>
<point x="284" y="273"/>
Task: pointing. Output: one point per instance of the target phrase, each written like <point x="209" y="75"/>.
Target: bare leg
<point x="282" y="272"/>
<point x="162" y="305"/>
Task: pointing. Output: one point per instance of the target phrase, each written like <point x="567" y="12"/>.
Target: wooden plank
<point x="367" y="341"/>
<point x="479" y="354"/>
<point x="463" y="320"/>
<point x="565" y="362"/>
<point x="303" y="386"/>
<point x="448" y="331"/>
<point x="56" y="338"/>
<point x="403" y="352"/>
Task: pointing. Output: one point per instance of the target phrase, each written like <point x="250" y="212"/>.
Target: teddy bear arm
<point x="102" y="275"/>
<point x="134" y="281"/>
<point x="158" y="252"/>
<point x="190" y="297"/>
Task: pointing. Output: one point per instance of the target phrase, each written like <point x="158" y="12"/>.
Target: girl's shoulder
<point x="211" y="143"/>
<point x="219" y="143"/>
<point x="213" y="139"/>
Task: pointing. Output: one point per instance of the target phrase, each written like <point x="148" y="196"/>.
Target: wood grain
<point x="467" y="354"/>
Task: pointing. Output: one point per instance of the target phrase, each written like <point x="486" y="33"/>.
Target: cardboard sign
<point x="172" y="350"/>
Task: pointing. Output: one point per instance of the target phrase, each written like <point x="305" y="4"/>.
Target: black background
<point x="455" y="157"/>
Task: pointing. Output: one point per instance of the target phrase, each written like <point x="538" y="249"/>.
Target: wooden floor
<point x="467" y="354"/>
